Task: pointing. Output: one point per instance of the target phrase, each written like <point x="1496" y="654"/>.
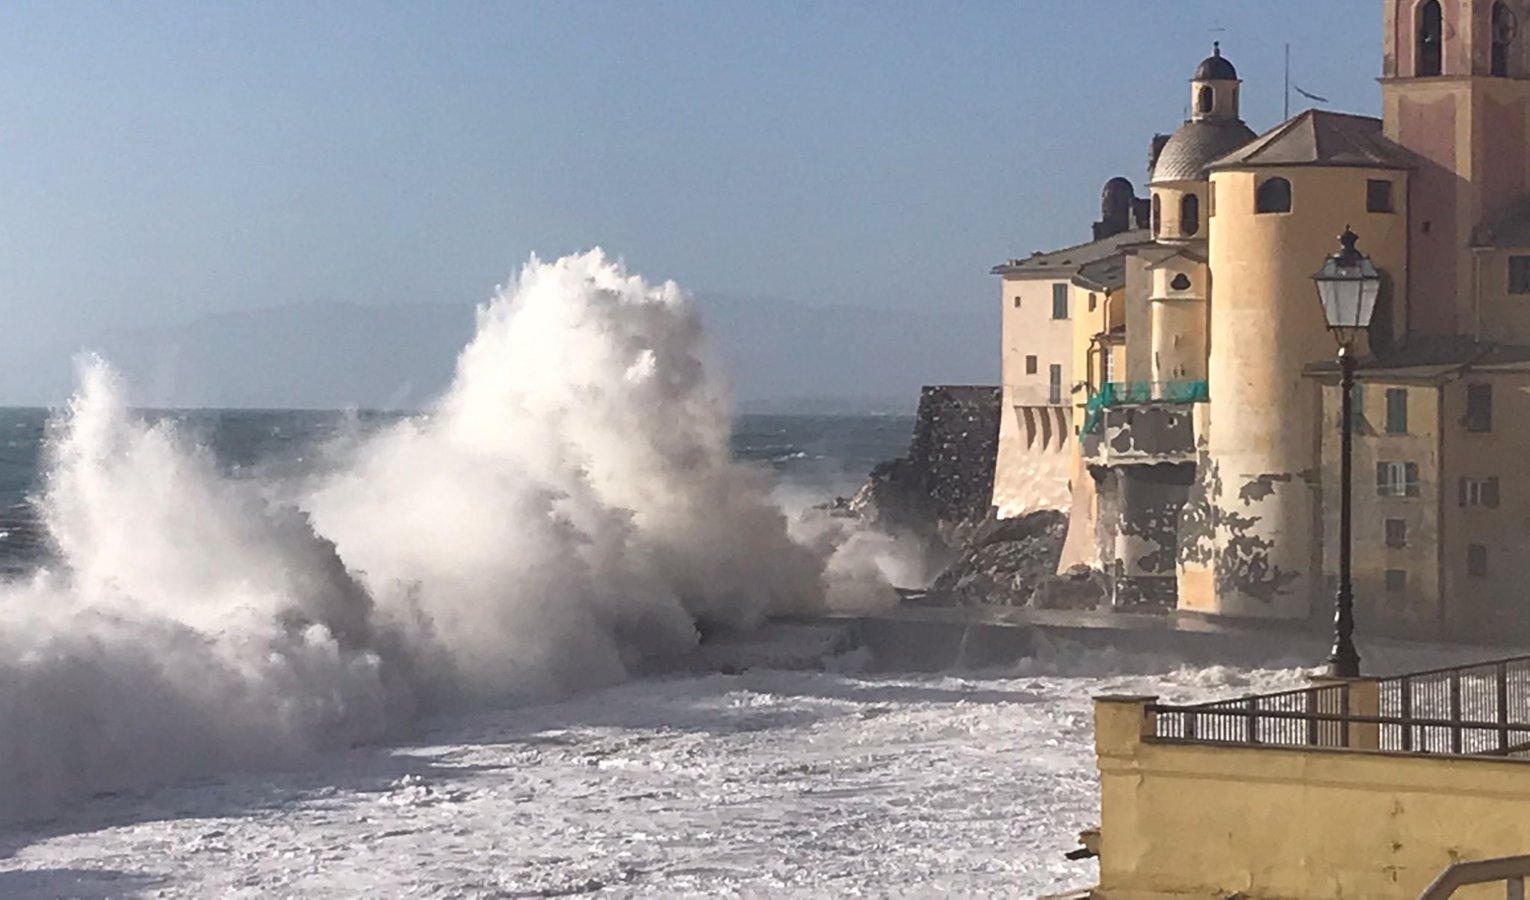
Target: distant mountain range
<point x="780" y="356"/>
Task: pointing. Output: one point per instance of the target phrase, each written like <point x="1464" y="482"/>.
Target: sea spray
<point x="567" y="512"/>
<point x="570" y="508"/>
<point x="195" y="628"/>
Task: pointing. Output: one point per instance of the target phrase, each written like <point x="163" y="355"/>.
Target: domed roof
<point x="1195" y="145"/>
<point x="1215" y="67"/>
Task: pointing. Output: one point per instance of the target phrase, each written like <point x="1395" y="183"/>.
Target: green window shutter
<point x="1397" y="411"/>
<point x="1490" y="493"/>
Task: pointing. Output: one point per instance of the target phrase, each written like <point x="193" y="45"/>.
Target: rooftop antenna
<point x="1287" y="116"/>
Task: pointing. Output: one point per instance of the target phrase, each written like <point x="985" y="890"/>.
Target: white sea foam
<point x="567" y="512"/>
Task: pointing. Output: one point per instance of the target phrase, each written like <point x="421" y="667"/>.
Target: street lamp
<point x="1348" y="286"/>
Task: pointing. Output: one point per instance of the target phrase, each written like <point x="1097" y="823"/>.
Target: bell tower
<point x="1214" y="89"/>
<point x="1455" y="90"/>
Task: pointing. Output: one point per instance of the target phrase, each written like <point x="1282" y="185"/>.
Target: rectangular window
<point x="1017" y="301"/>
<point x="1378" y="196"/>
<point x="1476" y="560"/>
<point x="1094" y="301"/>
<point x="1107" y="370"/>
<point x="1478" y="492"/>
<point x="1397" y="533"/>
<point x="1397" y="410"/>
<point x="1054" y="384"/>
<point x="1397" y="581"/>
<point x="1030" y="365"/>
<point x="1059" y="301"/>
<point x="1519" y="274"/>
<point x="1479" y="407"/>
<point x="1396" y="479"/>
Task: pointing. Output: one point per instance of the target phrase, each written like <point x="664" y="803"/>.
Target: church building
<point x="1171" y="384"/>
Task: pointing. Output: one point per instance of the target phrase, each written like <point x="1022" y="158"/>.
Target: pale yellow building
<point x="1199" y="465"/>
<point x="1373" y="788"/>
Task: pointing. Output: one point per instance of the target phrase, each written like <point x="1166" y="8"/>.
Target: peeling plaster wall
<point x="1138" y="532"/>
<point x="1260" y="480"/>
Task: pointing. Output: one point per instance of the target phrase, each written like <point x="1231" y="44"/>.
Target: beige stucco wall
<point x="1500" y="316"/>
<point x="1179" y="320"/>
<point x="1031" y="471"/>
<point x="1491" y="607"/>
<point x="1416" y="609"/>
<point x="1204" y="821"/>
<point x="1266" y="327"/>
<point x="1138" y="316"/>
<point x="1171" y="194"/>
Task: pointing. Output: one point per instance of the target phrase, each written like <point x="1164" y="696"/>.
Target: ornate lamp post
<point x="1348" y="285"/>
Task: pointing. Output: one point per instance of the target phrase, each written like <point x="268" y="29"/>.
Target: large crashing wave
<point x="568" y="511"/>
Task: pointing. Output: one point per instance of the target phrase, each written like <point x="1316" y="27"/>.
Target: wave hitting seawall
<point x="568" y="512"/>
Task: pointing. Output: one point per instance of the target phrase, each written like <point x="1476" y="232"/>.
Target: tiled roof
<point x="1099" y="258"/>
<point x="1195" y="145"/>
<point x="1431" y="357"/>
<point x="1320" y="138"/>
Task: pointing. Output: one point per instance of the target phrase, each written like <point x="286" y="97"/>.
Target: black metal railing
<point x="1476" y="710"/>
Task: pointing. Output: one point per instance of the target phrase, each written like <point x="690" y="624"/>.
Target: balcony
<point x="1141" y="422"/>
<point x="1352" y="788"/>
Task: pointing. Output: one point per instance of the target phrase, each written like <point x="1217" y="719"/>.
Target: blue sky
<point x="160" y="161"/>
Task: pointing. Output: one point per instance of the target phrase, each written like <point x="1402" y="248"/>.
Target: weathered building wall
<point x="1408" y="600"/>
<point x="1179" y="320"/>
<point x="1138" y="314"/>
<point x="1266" y="328"/>
<point x="1493" y="605"/>
<point x="1034" y="458"/>
<point x="1032" y="466"/>
<point x="1139" y="507"/>
<point x="1204" y="821"/>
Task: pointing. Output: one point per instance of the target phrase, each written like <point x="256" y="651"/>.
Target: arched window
<point x="1190" y="215"/>
<point x="1205" y="100"/>
<point x="1431" y="36"/>
<point x="1504" y="28"/>
<point x="1273" y="196"/>
<point x="1157" y="214"/>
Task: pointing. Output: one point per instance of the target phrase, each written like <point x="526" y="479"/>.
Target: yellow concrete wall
<point x="1179" y="321"/>
<point x="1492" y="607"/>
<point x="1170" y="195"/>
<point x="1267" y="824"/>
<point x="1416" y="609"/>
<point x="1501" y="317"/>
<point x="1138" y="313"/>
<point x="1032" y="468"/>
<point x="1266" y="327"/>
<point x="1194" y="570"/>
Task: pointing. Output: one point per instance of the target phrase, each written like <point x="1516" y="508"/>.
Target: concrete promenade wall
<point x="1187" y="820"/>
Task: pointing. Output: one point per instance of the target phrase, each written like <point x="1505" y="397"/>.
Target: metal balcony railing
<point x="1476" y="710"/>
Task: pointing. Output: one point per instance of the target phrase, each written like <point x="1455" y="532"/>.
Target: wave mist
<point x="566" y="514"/>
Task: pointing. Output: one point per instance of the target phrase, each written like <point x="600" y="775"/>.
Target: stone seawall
<point x="955" y="443"/>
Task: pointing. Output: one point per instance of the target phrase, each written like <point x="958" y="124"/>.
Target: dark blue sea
<point x="823" y="455"/>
